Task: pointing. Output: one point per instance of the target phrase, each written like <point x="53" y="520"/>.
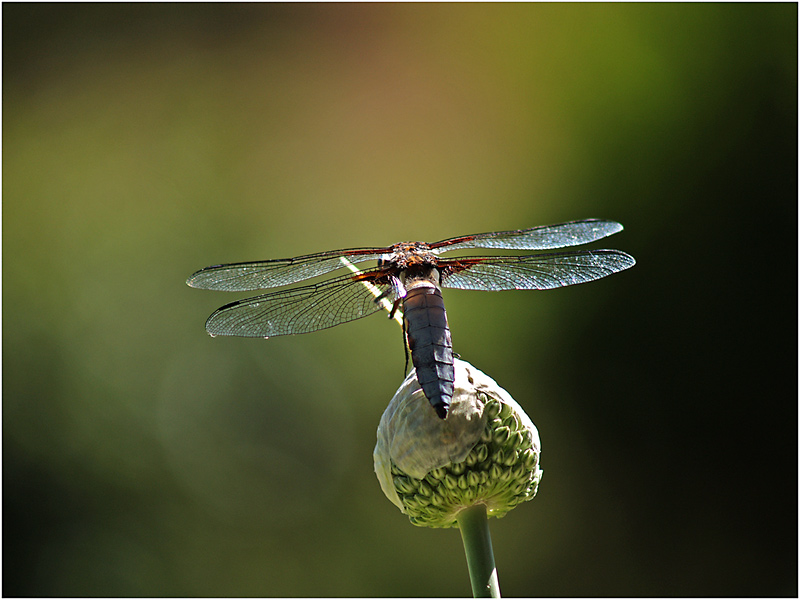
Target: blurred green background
<point x="142" y="142"/>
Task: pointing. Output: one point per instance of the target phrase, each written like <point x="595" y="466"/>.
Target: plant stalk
<point x="474" y="526"/>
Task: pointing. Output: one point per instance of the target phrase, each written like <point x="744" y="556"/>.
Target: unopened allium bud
<point x="485" y="452"/>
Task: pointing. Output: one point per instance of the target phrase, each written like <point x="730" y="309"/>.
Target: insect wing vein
<point x="534" y="272"/>
<point x="259" y="275"/>
<point x="297" y="310"/>
<point x="545" y="237"/>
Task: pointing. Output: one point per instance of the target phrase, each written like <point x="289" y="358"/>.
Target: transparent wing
<point x="249" y="276"/>
<point x="545" y="237"/>
<point x="302" y="309"/>
<point x="535" y="272"/>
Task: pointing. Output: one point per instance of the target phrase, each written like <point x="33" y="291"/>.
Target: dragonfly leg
<point x="394" y="309"/>
<point x="396" y="289"/>
<point x="405" y="347"/>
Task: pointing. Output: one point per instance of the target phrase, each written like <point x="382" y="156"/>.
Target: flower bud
<point x="485" y="452"/>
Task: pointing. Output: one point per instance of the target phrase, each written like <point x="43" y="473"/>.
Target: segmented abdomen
<point x="429" y="341"/>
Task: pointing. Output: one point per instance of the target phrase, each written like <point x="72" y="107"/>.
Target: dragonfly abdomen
<point x="429" y="341"/>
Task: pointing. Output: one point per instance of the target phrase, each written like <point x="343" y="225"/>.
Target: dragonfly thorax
<point x="420" y="273"/>
<point x="408" y="254"/>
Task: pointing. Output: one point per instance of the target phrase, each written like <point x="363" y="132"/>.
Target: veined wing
<point x="545" y="237"/>
<point x="249" y="276"/>
<point x="302" y="309"/>
<point x="535" y="272"/>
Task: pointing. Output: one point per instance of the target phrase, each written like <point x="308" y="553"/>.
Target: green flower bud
<point x="485" y="452"/>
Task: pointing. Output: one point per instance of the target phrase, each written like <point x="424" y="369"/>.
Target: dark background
<point x="142" y="142"/>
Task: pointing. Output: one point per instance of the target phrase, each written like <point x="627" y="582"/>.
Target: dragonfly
<point x="411" y="275"/>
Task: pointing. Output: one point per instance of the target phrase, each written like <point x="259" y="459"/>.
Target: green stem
<point x="474" y="527"/>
